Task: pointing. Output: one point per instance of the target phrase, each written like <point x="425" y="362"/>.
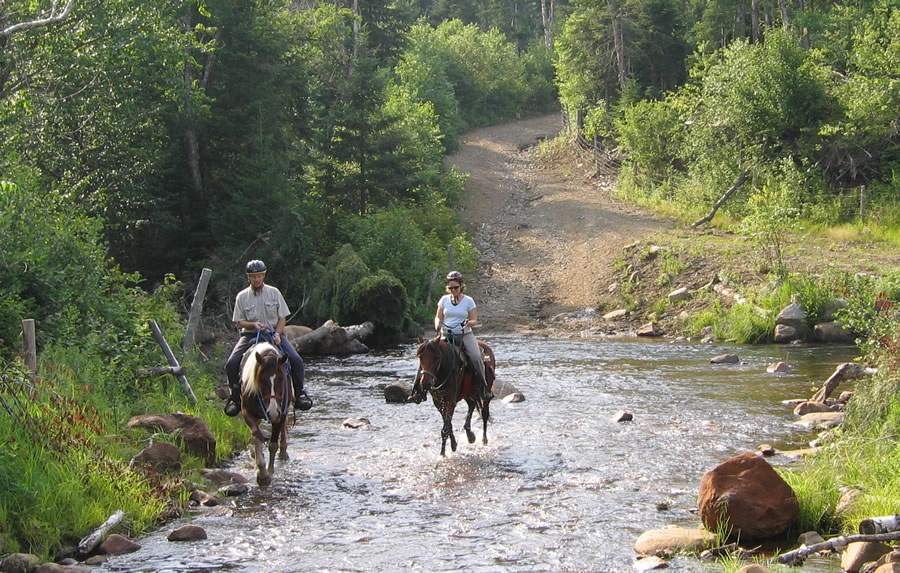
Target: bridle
<point x="282" y="398"/>
<point x="436" y="383"/>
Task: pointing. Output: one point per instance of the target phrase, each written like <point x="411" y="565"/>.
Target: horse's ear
<point x="283" y="358"/>
<point x="259" y="358"/>
<point x="421" y="338"/>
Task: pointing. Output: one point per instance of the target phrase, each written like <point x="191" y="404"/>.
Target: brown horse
<point x="444" y="373"/>
<point x="266" y="394"/>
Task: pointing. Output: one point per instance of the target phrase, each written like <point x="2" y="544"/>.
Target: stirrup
<point x="302" y="401"/>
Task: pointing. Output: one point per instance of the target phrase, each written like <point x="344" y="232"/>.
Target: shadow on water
<point x="559" y="487"/>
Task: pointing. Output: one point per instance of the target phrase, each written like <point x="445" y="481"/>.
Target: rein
<point x="437" y="383"/>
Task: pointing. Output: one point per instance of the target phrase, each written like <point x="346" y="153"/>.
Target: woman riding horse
<point x="458" y="313"/>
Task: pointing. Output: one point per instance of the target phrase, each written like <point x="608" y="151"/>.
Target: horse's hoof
<point x="263" y="480"/>
<point x="471" y="436"/>
<point x="283" y="456"/>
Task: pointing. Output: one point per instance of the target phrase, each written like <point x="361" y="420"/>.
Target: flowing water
<point x="559" y="487"/>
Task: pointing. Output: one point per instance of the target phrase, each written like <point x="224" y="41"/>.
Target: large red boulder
<point x="746" y="497"/>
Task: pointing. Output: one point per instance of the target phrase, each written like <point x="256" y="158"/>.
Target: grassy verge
<point x="65" y="448"/>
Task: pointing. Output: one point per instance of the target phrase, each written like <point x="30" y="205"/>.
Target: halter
<point x="283" y="399"/>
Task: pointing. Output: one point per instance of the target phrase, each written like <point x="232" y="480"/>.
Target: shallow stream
<point x="559" y="487"/>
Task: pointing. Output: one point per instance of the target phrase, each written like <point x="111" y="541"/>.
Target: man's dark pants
<point x="233" y="365"/>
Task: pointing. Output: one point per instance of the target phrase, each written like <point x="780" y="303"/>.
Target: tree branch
<point x="740" y="180"/>
<point x="53" y="18"/>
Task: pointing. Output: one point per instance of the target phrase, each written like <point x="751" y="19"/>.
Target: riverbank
<point x="559" y="251"/>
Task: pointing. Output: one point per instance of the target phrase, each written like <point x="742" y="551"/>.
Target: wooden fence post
<point x="161" y="340"/>
<point x="30" y="347"/>
<point x="196" y="309"/>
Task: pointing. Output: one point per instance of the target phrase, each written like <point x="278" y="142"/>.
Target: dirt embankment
<point x="558" y="251"/>
<point x="548" y="236"/>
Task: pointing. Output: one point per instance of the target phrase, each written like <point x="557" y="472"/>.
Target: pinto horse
<point x="266" y="394"/>
<point x="444" y="373"/>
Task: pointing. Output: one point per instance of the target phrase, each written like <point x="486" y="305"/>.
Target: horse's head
<point x="264" y="376"/>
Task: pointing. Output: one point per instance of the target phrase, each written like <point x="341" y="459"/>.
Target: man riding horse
<point x="261" y="311"/>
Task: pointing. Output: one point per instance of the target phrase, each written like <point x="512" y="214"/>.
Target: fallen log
<point x="708" y="217"/>
<point x="844" y="371"/>
<point x="160" y="371"/>
<point x="331" y="338"/>
<point x="883" y="524"/>
<point x="92" y="540"/>
<point x="836" y="544"/>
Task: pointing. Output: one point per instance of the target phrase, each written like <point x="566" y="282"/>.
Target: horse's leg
<point x="447" y="431"/>
<point x="273" y="447"/>
<point x="262" y="476"/>
<point x="468" y="427"/>
<point x="485" y="414"/>
<point x="283" y="454"/>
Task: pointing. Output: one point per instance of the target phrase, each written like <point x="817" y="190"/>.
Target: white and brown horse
<point x="266" y="395"/>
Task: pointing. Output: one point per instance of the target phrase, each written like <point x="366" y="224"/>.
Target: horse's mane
<point x="269" y="353"/>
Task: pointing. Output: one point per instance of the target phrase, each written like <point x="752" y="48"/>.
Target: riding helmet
<point x="454" y="276"/>
<point x="256" y="266"/>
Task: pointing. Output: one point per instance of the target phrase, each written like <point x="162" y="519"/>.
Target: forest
<point x="145" y="140"/>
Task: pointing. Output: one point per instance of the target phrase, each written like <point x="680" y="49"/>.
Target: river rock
<point x="357" y="423"/>
<point x="673" y="539"/>
<point x="205" y="499"/>
<point x="96" y="560"/>
<point x="810" y="538"/>
<point x="19" y="563"/>
<point x="192" y="432"/>
<point x="821" y="420"/>
<point x="501" y="388"/>
<point x="753" y="568"/>
<point x="162" y="456"/>
<point x="396" y="393"/>
<point x="622" y="416"/>
<point x="649" y="563"/>
<point x="615" y="314"/>
<point x="833" y="332"/>
<point x="679" y="294"/>
<point x="725" y="359"/>
<point x="855" y="555"/>
<point x="785" y="333"/>
<point x="57" y="568"/>
<point x="778" y="367"/>
<point x="116" y="544"/>
<point x="792" y="315"/>
<point x="514" y="398"/>
<point x="234" y="489"/>
<point x="888" y="568"/>
<point x="810" y="406"/>
<point x="649" y="329"/>
<point x="187" y="533"/>
<point x="219" y="477"/>
<point x="746" y="496"/>
<point x="831" y="307"/>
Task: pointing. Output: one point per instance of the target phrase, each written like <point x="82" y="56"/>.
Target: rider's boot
<point x="486" y="393"/>
<point x="302" y="401"/>
<point x="233" y="405"/>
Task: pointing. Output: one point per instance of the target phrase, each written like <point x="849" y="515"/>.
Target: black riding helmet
<point x="256" y="266"/>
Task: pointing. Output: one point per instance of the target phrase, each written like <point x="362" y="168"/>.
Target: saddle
<point x="455" y="342"/>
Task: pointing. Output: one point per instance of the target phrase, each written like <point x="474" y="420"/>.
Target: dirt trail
<point x="548" y="238"/>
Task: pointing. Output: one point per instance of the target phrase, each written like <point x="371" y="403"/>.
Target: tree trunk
<point x="547" y="22"/>
<point x="785" y="19"/>
<point x="754" y="22"/>
<point x="618" y="42"/>
<point x="190" y="134"/>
